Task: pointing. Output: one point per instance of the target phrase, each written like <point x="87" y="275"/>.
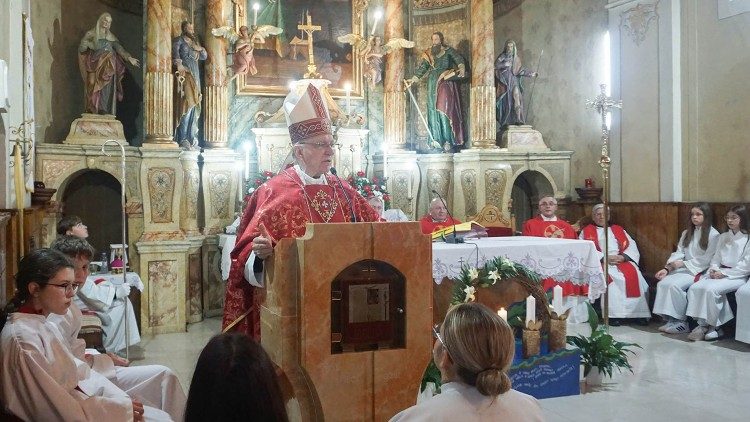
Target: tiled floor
<point x="674" y="379"/>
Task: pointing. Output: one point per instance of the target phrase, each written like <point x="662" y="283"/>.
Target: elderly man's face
<point x="315" y="155"/>
<point x="438" y="211"/>
<point x="547" y="207"/>
<point x="598" y="217"/>
<point x="189" y="29"/>
<point x="377" y="205"/>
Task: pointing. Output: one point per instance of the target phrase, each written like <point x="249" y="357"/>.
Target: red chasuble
<point x="632" y="288"/>
<point x="284" y="205"/>
<point x="428" y="226"/>
<point x="553" y="229"/>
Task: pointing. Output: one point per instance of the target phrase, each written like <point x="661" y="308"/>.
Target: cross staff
<point x="309" y="28"/>
<point x="603" y="104"/>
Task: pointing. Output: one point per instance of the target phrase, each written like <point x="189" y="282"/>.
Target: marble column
<point x="215" y="93"/>
<point x="159" y="80"/>
<point x="482" y="92"/>
<point x="394" y="101"/>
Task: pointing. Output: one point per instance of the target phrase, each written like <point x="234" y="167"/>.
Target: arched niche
<point x="527" y="188"/>
<point x="94" y="196"/>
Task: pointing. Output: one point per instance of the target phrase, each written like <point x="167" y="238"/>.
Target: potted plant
<point x="600" y="353"/>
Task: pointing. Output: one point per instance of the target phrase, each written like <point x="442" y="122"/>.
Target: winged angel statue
<point x="372" y="51"/>
<point x="243" y="62"/>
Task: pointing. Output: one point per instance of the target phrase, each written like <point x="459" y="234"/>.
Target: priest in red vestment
<point x="304" y="193"/>
<point x="438" y="217"/>
<point x="626" y="288"/>
<point x="546" y="224"/>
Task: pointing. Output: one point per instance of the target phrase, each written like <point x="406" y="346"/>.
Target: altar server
<point x="154" y="385"/>
<point x="695" y="249"/>
<point x="546" y="223"/>
<point x="729" y="270"/>
<point x="282" y="207"/>
<point x="473" y="350"/>
<point x="627" y="289"/>
<point x="40" y="380"/>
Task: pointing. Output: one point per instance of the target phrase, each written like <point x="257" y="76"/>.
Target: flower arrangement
<point x="254" y="182"/>
<point x="494" y="270"/>
<point x="369" y="188"/>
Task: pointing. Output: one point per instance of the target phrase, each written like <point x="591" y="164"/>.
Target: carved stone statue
<point x="101" y="60"/>
<point x="186" y="54"/>
<point x="509" y="86"/>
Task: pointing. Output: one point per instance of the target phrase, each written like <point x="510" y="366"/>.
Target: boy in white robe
<point x="154" y="385"/>
<point x="627" y="294"/>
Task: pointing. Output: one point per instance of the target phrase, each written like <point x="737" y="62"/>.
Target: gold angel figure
<point x="371" y="51"/>
<point x="243" y="61"/>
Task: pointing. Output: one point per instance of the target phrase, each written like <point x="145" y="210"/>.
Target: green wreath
<point x="495" y="270"/>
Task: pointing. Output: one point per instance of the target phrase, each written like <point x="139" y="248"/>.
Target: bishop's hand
<point x="263" y="243"/>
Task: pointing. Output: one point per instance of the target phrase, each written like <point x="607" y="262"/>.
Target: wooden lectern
<point x="347" y="318"/>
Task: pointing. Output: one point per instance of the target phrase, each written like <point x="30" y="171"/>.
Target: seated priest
<point x="391" y="215"/>
<point x="281" y="207"/>
<point x="627" y="288"/>
<point x="438" y="218"/>
<point x="546" y="224"/>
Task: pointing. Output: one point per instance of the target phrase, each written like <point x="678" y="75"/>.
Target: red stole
<point x="428" y="226"/>
<point x="632" y="287"/>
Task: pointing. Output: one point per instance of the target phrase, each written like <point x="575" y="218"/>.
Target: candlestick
<point x="246" y="147"/>
<point x="502" y="313"/>
<point x="378" y="15"/>
<point x="557" y="299"/>
<point x="256" y="6"/>
<point x="530" y="309"/>
<point x="348" y="88"/>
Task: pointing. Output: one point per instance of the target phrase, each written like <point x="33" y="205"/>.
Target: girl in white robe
<point x="40" y="380"/>
<point x="729" y="270"/>
<point x="742" y="331"/>
<point x="692" y="257"/>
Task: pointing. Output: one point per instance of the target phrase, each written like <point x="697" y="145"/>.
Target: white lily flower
<point x="473" y="273"/>
<point x="469" y="294"/>
<point x="494" y="276"/>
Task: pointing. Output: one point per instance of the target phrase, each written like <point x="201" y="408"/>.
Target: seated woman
<point x="729" y="270"/>
<point x="40" y="379"/>
<point x="234" y="380"/>
<point x="693" y="255"/>
<point x="473" y="351"/>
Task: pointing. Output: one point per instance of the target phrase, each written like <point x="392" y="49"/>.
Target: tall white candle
<point x="530" y="309"/>
<point x="348" y="88"/>
<point x="502" y="313"/>
<point x="557" y="299"/>
<point x="246" y="146"/>
<point x="378" y="15"/>
<point x="256" y="7"/>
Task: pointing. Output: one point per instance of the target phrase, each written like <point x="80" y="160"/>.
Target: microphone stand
<point x="353" y="217"/>
<point x="449" y="239"/>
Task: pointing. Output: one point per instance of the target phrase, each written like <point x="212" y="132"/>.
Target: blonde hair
<point x="481" y="346"/>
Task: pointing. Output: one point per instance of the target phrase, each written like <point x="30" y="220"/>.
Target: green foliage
<point x="493" y="271"/>
<point x="432" y="374"/>
<point x="600" y="349"/>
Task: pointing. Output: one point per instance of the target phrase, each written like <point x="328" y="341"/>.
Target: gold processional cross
<point x="603" y="105"/>
<point x="309" y="28"/>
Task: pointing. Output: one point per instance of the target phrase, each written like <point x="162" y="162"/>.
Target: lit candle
<point x="256" y="7"/>
<point x="348" y="88"/>
<point x="530" y="309"/>
<point x="502" y="313"/>
<point x="385" y="160"/>
<point x="378" y="15"/>
<point x="246" y="147"/>
<point x="557" y="299"/>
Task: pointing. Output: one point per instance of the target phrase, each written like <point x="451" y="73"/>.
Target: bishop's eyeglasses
<point x="320" y="145"/>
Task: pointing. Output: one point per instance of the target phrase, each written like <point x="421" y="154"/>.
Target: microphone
<point x="353" y="218"/>
<point x="454" y="238"/>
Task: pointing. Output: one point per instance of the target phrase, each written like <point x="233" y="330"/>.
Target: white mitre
<point x="307" y="115"/>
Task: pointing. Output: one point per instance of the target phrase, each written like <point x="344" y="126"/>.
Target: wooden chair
<point x="495" y="222"/>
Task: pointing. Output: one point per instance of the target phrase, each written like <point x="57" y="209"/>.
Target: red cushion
<point x="499" y="231"/>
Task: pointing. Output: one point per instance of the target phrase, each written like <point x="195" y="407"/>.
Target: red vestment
<point x="284" y="205"/>
<point x="429" y="226"/>
<point x="553" y="229"/>
<point x="632" y="288"/>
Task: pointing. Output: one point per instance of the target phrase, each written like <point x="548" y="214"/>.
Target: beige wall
<point x="58" y="27"/>
<point x="716" y="106"/>
<point x="570" y="32"/>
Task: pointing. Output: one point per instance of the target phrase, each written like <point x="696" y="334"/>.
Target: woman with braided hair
<point x="474" y="349"/>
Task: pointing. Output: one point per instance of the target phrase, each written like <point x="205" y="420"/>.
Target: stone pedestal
<point x="194" y="294"/>
<point x="401" y="169"/>
<point x="94" y="129"/>
<point x="189" y="195"/>
<point x="220" y="183"/>
<point x="436" y="171"/>
<point x="213" y="285"/>
<point x="163" y="269"/>
<point x="523" y="138"/>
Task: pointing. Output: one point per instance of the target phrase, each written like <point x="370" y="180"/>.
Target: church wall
<point x="571" y="34"/>
<point x="716" y="101"/>
<point x="58" y="27"/>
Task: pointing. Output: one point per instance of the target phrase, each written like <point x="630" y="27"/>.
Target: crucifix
<point x="603" y="105"/>
<point x="309" y="28"/>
